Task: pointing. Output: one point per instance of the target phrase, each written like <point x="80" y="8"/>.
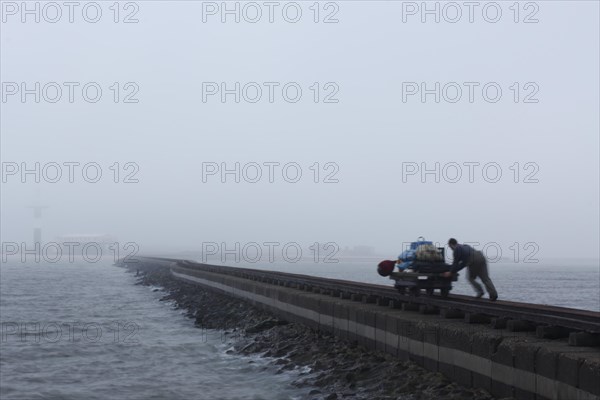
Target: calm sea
<point x="86" y="331"/>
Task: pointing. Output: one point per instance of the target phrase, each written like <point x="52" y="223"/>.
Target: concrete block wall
<point x="505" y="364"/>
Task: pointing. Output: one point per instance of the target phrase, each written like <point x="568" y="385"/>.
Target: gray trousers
<point x="478" y="268"/>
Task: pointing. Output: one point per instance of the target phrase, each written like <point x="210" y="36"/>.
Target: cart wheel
<point x="445" y="292"/>
<point x="415" y="291"/>
<point x="429" y="292"/>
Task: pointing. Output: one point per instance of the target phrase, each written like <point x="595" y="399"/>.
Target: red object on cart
<point x="386" y="267"/>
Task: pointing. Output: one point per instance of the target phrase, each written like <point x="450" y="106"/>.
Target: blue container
<point x="414" y="245"/>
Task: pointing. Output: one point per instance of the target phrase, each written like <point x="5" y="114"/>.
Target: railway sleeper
<point x="345" y="295"/>
<point x="451" y="313"/>
<point x="584" y="339"/>
<point x="410" y="307"/>
<point x="369" y="299"/>
<point x="356" y="297"/>
<point x="428" y="309"/>
<point x="383" y="301"/>
<point x="518" y="325"/>
<point x="395" y="304"/>
<point x="552" y="332"/>
<point x="499" y="323"/>
<point x="477" y="318"/>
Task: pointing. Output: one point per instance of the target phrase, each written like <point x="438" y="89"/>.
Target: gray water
<point x="563" y="284"/>
<point x="86" y="331"/>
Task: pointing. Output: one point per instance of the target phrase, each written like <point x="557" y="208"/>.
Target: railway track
<point x="524" y="316"/>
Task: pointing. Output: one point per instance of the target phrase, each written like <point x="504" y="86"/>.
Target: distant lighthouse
<point x="37" y="226"/>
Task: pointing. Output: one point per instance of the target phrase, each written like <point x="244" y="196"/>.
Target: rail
<point x="539" y="314"/>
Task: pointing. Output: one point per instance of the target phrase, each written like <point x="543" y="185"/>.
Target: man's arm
<point x="458" y="263"/>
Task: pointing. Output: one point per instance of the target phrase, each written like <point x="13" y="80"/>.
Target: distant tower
<point x="37" y="229"/>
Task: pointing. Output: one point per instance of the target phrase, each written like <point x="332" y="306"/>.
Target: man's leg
<point x="489" y="286"/>
<point x="472" y="275"/>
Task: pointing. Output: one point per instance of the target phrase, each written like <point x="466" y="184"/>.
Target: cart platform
<point x="414" y="282"/>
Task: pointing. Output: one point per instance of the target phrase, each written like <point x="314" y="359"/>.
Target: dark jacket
<point x="463" y="257"/>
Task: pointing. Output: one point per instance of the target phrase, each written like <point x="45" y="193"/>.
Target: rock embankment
<point x="336" y="369"/>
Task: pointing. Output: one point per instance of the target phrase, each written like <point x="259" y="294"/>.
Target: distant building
<point x="102" y="240"/>
<point x="358" y="251"/>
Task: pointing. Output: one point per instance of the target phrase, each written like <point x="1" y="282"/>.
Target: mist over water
<point x="376" y="152"/>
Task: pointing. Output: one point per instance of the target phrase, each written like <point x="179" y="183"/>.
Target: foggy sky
<point x="368" y="134"/>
